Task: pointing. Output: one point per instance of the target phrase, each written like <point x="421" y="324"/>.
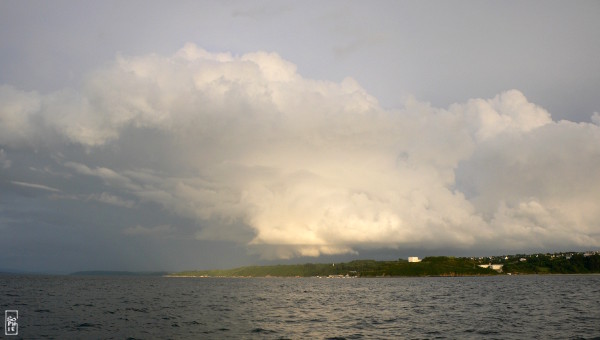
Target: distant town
<point x="543" y="263"/>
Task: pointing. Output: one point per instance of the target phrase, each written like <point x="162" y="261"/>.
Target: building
<point x="413" y="259"/>
<point x="496" y="267"/>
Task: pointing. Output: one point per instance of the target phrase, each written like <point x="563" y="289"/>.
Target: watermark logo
<point x="11" y="326"/>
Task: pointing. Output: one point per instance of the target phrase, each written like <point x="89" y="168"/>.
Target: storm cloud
<point x="249" y="151"/>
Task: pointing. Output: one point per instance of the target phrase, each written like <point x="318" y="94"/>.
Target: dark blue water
<point x="502" y="307"/>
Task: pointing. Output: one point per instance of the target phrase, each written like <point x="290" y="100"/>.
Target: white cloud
<point x="312" y="167"/>
<point x="35" y="186"/>
<point x="16" y="111"/>
<point x="509" y="112"/>
<point x="109" y="176"/>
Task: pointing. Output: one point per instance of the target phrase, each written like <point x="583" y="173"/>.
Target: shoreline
<point x="372" y="277"/>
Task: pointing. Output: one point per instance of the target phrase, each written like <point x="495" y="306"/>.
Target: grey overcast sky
<point x="162" y="135"/>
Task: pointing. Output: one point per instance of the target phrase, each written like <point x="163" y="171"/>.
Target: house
<point x="414" y="259"/>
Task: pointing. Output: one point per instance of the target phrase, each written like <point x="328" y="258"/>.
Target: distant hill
<point x="116" y="273"/>
<point x="556" y="263"/>
<point x="560" y="263"/>
<point x="429" y="266"/>
<point x="8" y="271"/>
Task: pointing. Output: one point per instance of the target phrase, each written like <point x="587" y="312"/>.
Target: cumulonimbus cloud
<point x="312" y="167"/>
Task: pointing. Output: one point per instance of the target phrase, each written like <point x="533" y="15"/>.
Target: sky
<point x="160" y="135"/>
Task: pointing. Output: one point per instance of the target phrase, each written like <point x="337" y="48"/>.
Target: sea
<point x="138" y="307"/>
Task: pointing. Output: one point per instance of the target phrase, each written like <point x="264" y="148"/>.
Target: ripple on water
<point x="260" y="330"/>
<point x="506" y="307"/>
<point x="88" y="325"/>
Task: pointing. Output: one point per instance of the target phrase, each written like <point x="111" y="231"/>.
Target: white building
<point x="496" y="267"/>
<point x="414" y="259"/>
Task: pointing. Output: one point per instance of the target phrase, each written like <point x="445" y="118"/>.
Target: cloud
<point x="5" y="163"/>
<point x="596" y="118"/>
<point x="112" y="200"/>
<point x="35" y="186"/>
<point x="110" y="177"/>
<point x="255" y="153"/>
<point x="505" y="113"/>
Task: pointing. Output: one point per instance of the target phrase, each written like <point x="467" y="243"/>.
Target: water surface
<point x="499" y="307"/>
